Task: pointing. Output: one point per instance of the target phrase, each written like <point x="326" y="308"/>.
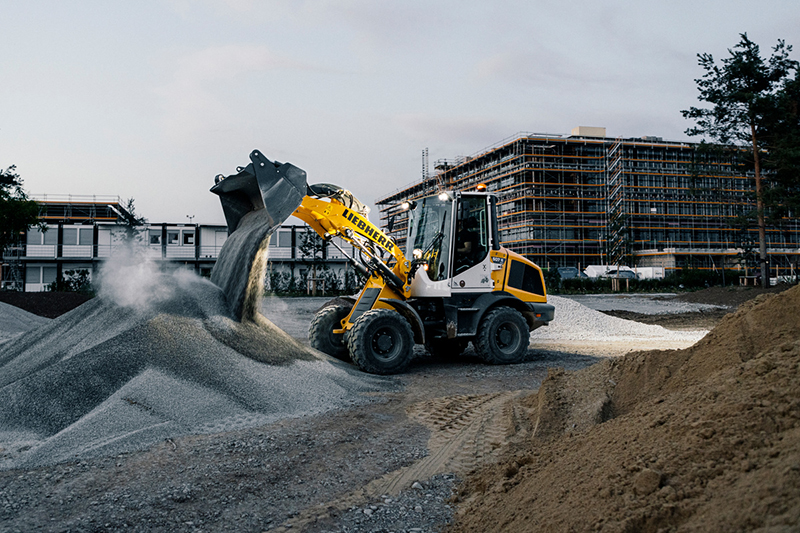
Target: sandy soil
<point x="478" y="447"/>
<point x="701" y="439"/>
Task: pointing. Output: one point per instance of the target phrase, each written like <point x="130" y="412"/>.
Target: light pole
<point x="190" y="217"/>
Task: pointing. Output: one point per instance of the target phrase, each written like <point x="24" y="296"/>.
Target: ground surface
<point x="450" y="428"/>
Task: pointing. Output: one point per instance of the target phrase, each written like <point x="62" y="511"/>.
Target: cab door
<point x="472" y="266"/>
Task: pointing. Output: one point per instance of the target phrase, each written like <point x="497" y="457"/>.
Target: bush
<point x="73" y="281"/>
<point x="679" y="280"/>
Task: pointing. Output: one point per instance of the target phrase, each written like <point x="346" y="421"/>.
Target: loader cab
<point x="453" y="233"/>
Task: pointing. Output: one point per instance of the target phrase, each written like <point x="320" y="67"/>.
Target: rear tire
<point x="381" y="342"/>
<point x="503" y="337"/>
<point x="321" y="335"/>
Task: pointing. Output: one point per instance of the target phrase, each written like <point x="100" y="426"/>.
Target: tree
<point x="744" y="91"/>
<point x="131" y="223"/>
<point x="17" y="211"/>
<point x="311" y="248"/>
<point x="73" y="281"/>
<point x="782" y="197"/>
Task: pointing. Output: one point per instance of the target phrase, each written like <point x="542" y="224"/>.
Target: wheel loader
<point x="454" y="283"/>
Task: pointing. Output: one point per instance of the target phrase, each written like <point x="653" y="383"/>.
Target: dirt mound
<point x="706" y="439"/>
<point x="729" y="296"/>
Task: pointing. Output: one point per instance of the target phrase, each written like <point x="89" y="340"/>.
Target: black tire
<point x="381" y="342"/>
<point x="503" y="337"/>
<point x="321" y="335"/>
<point x="446" y="348"/>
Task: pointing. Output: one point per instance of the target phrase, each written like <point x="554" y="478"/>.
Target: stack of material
<point x="155" y="356"/>
<point x="577" y="322"/>
<point x="15" y="322"/>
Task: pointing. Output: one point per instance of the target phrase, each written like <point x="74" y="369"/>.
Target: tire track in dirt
<point x="466" y="431"/>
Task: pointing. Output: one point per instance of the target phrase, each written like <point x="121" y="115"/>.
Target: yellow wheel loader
<point x="454" y="283"/>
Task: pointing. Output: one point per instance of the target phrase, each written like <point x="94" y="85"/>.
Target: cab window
<point x="472" y="235"/>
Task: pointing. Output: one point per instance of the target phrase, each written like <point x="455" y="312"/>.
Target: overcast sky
<point x="151" y="99"/>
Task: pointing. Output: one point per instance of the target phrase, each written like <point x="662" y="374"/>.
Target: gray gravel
<point x="422" y="508"/>
<point x="15" y="321"/>
<point x="109" y="378"/>
<point x="646" y="304"/>
<point x="574" y="321"/>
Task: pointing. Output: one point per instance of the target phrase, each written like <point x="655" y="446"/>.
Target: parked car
<point x="570" y="272"/>
<point x="622" y="274"/>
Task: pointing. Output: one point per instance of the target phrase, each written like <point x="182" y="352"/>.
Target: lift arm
<point x="331" y="211"/>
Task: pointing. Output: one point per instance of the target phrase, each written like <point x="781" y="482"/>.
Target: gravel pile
<point x="14" y="321"/>
<point x="650" y="304"/>
<point x="577" y="322"/>
<point x="144" y="364"/>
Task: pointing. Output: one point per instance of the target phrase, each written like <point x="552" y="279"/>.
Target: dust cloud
<point x="131" y="279"/>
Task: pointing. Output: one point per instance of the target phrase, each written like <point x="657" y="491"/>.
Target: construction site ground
<point x="459" y="445"/>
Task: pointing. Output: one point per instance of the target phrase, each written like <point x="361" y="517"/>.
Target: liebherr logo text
<point x="369" y="230"/>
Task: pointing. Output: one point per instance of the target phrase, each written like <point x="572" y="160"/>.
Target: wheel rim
<point x="336" y="339"/>
<point x="385" y="344"/>
<point x="507" y="337"/>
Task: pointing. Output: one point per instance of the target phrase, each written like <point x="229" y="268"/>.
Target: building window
<point x="70" y="236"/>
<point x="285" y="239"/>
<point x="155" y="237"/>
<point x="172" y="237"/>
<point x="49" y="274"/>
<point x="33" y="274"/>
<point x="40" y="274"/>
<point x="188" y="237"/>
<point x="38" y="237"/>
<point x="73" y="236"/>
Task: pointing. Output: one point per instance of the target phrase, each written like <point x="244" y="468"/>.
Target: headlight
<point x="417" y="253"/>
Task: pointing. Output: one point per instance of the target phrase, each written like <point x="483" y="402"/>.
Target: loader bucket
<point x="263" y="184"/>
<point x="256" y="200"/>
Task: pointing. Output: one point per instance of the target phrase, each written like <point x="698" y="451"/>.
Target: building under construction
<point x="589" y="199"/>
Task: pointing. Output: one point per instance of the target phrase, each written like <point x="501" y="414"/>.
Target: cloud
<point x="466" y="131"/>
<point x="196" y="98"/>
<point x="543" y="68"/>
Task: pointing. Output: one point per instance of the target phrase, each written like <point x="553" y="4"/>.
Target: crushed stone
<point x="575" y="321"/>
<point x="15" y="321"/>
<point x="107" y="378"/>
<point x="646" y="304"/>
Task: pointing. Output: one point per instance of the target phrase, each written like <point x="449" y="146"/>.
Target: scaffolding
<point x="579" y="200"/>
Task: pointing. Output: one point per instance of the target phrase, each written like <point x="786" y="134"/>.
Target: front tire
<point x="321" y="335"/>
<point x="503" y="337"/>
<point x="381" y="342"/>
